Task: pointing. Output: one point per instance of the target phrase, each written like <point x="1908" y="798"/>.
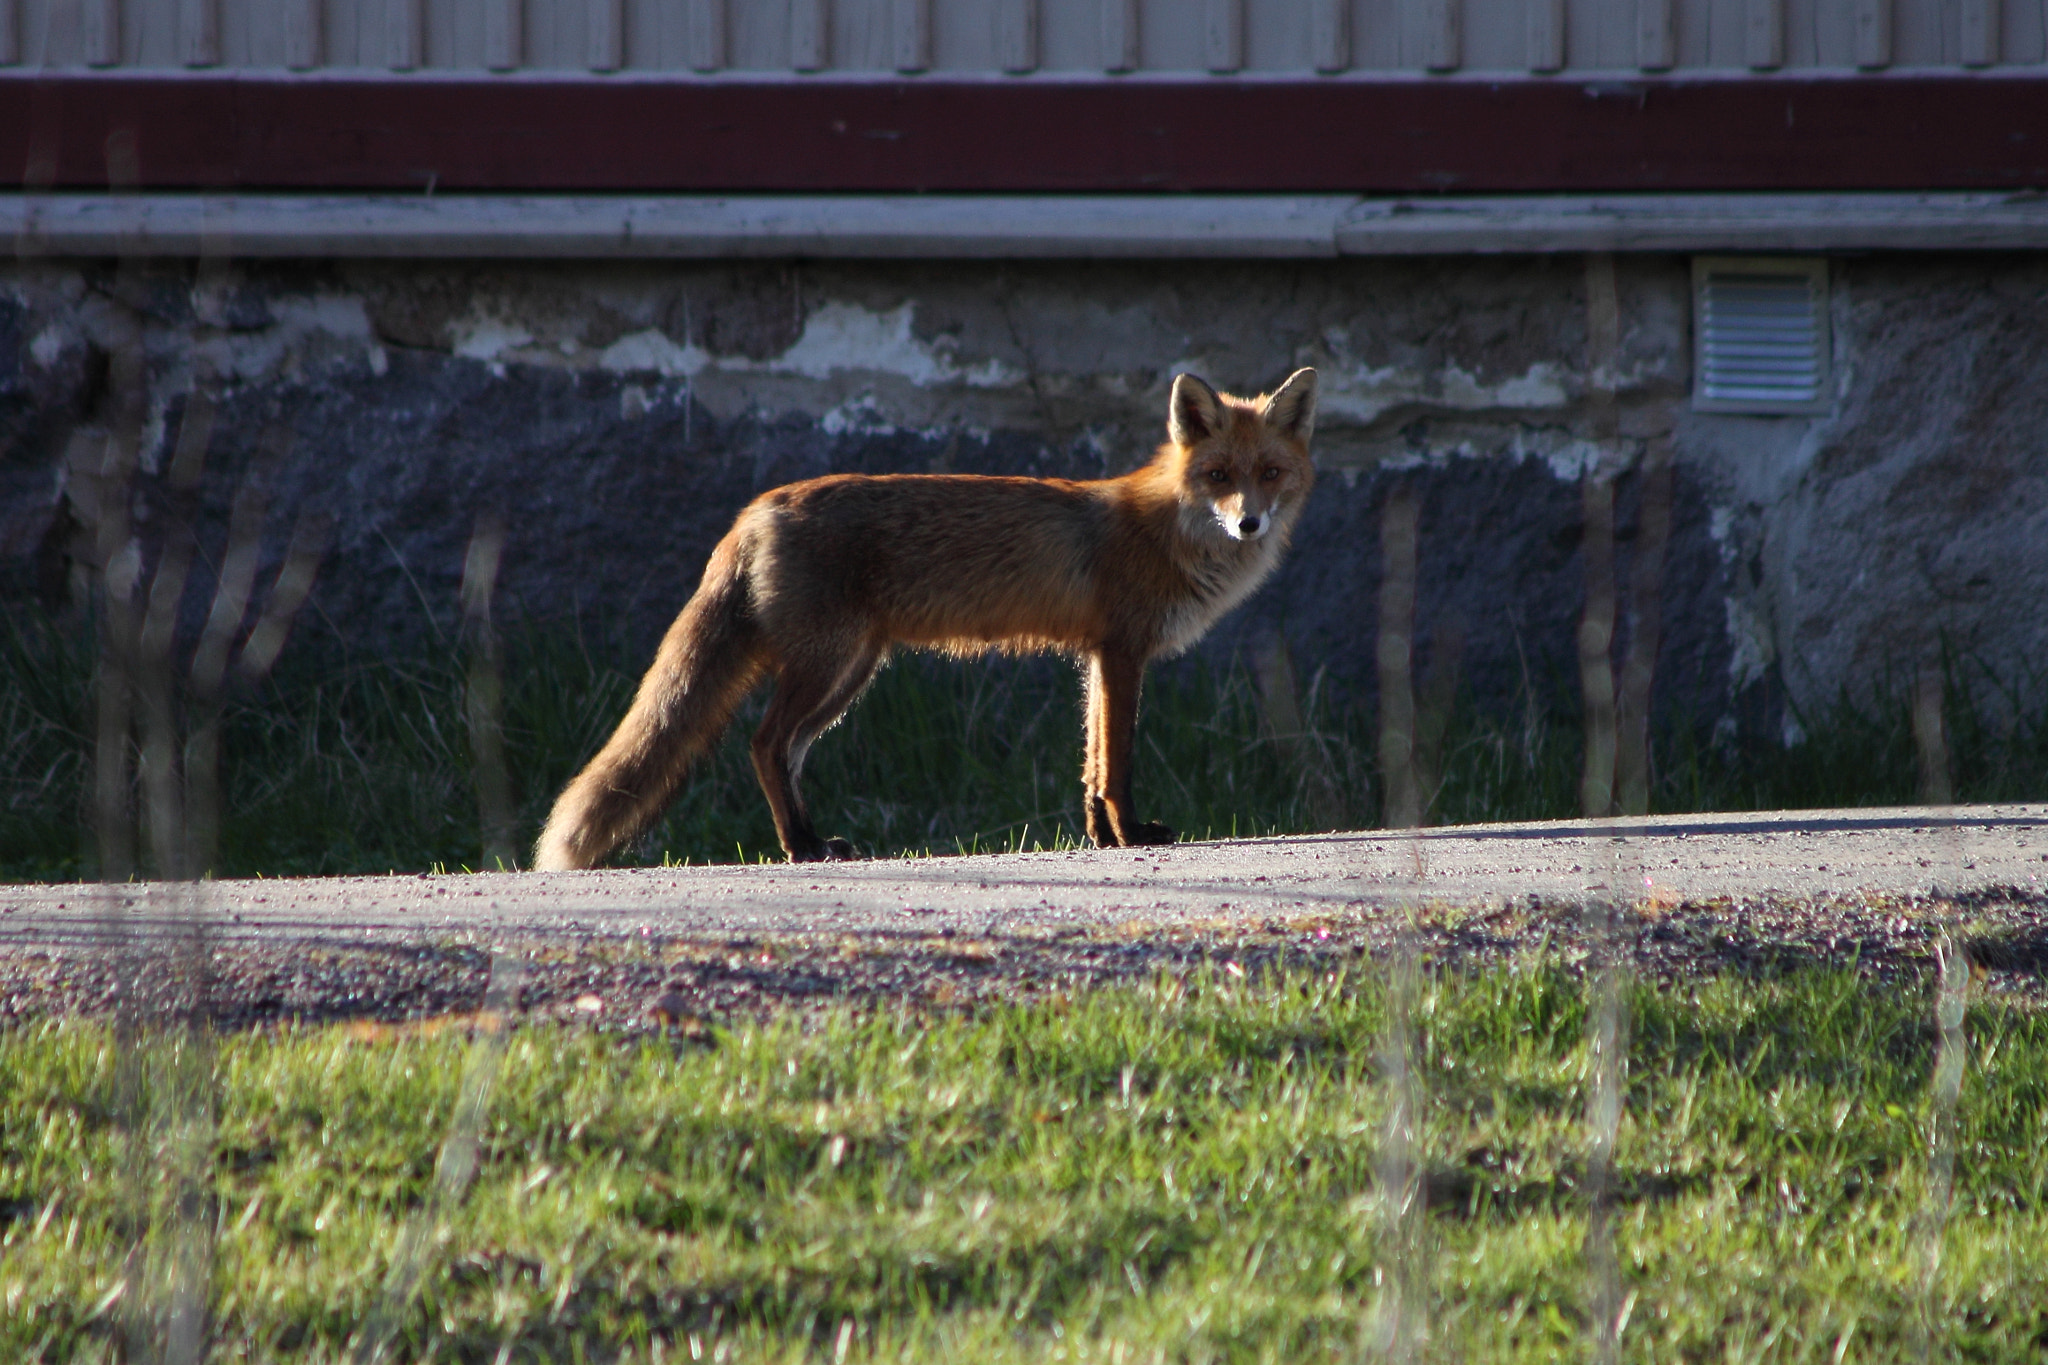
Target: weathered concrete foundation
<point x="618" y="415"/>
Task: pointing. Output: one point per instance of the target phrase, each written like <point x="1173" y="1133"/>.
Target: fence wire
<point x="156" y="795"/>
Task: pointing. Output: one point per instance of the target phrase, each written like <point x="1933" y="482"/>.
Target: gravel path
<point x="684" y="947"/>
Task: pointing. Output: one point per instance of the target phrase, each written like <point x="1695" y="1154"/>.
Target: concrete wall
<point x="619" y="414"/>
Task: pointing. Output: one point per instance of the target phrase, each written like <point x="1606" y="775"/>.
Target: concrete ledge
<point x="677" y="227"/>
<point x="1005" y="227"/>
<point x="1697" y="222"/>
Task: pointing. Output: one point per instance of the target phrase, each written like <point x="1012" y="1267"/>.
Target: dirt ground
<point x="690" y="948"/>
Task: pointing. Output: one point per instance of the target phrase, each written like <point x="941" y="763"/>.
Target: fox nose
<point x="1249" y="525"/>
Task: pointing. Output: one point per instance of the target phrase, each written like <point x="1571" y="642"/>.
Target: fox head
<point x="1244" y="461"/>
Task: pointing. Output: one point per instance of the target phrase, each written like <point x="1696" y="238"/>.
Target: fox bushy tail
<point x="708" y="662"/>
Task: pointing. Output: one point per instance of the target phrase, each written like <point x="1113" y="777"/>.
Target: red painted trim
<point x="1035" y="134"/>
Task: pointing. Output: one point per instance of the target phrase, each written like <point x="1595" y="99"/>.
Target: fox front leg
<point x="1114" y="680"/>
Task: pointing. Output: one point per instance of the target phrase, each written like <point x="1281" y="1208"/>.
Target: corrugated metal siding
<point x="1071" y="36"/>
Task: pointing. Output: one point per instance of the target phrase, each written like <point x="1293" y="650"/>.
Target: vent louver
<point x="1761" y="335"/>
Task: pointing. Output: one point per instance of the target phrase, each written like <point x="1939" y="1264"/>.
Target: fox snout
<point x="1243" y="523"/>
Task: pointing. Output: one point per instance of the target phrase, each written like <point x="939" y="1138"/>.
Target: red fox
<point x="818" y="580"/>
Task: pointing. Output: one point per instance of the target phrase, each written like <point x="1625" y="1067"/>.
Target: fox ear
<point x="1291" y="410"/>
<point x="1194" y="412"/>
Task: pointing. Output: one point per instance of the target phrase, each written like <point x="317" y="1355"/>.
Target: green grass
<point x="1181" y="1171"/>
<point x="363" y="765"/>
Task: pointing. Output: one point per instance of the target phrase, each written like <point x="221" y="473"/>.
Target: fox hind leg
<point x="811" y="694"/>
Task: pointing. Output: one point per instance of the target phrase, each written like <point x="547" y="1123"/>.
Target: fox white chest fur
<point x="1222" y="581"/>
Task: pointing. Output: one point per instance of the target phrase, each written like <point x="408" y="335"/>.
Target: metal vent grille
<point x="1761" y="335"/>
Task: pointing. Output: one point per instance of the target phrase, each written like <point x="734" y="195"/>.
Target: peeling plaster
<point x="1540" y="386"/>
<point x="1721" y="526"/>
<point x="48" y="345"/>
<point x="150" y="447"/>
<point x="488" y="338"/>
<point x="843" y="337"/>
<point x="858" y="414"/>
<point x="1749" y="640"/>
<point x="1364" y="394"/>
<point x="1571" y="458"/>
<point x="838" y="339"/>
<point x="302" y="325"/>
<point x="651" y="350"/>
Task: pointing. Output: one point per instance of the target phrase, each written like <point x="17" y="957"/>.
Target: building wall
<point x="1018" y="36"/>
<point x="620" y="414"/>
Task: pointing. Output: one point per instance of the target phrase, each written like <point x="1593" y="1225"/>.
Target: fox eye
<point x="1270" y="473"/>
<point x="1218" y="476"/>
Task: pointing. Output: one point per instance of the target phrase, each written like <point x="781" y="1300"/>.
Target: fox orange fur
<point x="817" y="581"/>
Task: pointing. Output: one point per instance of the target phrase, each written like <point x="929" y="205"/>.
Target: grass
<point x="363" y="766"/>
<point x="1178" y="1171"/>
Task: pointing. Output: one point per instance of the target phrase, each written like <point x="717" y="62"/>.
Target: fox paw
<point x="1100" y="832"/>
<point x="1148" y="834"/>
<point x="825" y="851"/>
